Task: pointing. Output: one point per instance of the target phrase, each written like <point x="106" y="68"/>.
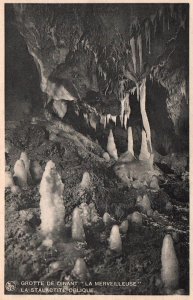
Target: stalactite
<point x="51" y="202"/>
<point x="86" y="118"/>
<point x="130" y="141"/>
<point x="103" y="121"/>
<point x="114" y="119"/>
<point x="121" y="89"/>
<point x="93" y="120"/>
<point x="20" y="173"/>
<point x="125" y="121"/>
<point x="122" y="111"/>
<point x="144" y="114"/>
<point x="138" y="91"/>
<point x="127" y="110"/>
<point x="148" y="36"/>
<point x="133" y="51"/>
<point x="111" y="147"/>
<point x="164" y="22"/>
<point x="139" y="44"/>
<point x="108" y="118"/>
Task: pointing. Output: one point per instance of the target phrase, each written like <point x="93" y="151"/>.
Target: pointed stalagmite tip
<point x="20" y="173"/>
<point x="106" y="218"/>
<point x="80" y="270"/>
<point x="86" y="181"/>
<point x="170" y="266"/>
<point x="111" y="147"/>
<point x="124" y="226"/>
<point x="115" y="242"/>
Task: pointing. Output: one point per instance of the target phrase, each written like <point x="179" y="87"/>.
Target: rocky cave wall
<point x="90" y="50"/>
<point x="22" y="88"/>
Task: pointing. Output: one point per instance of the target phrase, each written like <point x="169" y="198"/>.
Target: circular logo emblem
<point x="10" y="286"/>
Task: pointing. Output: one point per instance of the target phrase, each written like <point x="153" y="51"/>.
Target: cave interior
<point x="75" y="73"/>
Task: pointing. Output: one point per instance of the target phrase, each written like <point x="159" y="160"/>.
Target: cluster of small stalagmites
<point x="115" y="241"/>
<point x="25" y="173"/>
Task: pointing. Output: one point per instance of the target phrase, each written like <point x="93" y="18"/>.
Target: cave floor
<point x="140" y="261"/>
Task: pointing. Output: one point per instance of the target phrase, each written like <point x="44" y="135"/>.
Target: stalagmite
<point x="60" y="107"/>
<point x="51" y="203"/>
<point x="136" y="218"/>
<point x="111" y="147"/>
<point x="7" y="146"/>
<point x="77" y="226"/>
<point x="130" y="141"/>
<point x="115" y="242"/>
<point x="144" y="153"/>
<point x="144" y="114"/>
<point x="9" y="179"/>
<point x="170" y="267"/>
<point x="154" y="183"/>
<point x="15" y="189"/>
<point x="85" y="213"/>
<point x="20" y="173"/>
<point x="93" y="213"/>
<point x="86" y="181"/>
<point x="106" y="156"/>
<point x="106" y="218"/>
<point x="143" y="203"/>
<point x="80" y="270"/>
<point x="26" y="161"/>
<point x="124" y="226"/>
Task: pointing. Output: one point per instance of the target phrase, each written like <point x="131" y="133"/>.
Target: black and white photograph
<point x="96" y="197"/>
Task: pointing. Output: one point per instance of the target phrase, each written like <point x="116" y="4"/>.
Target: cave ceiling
<point x="106" y="48"/>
